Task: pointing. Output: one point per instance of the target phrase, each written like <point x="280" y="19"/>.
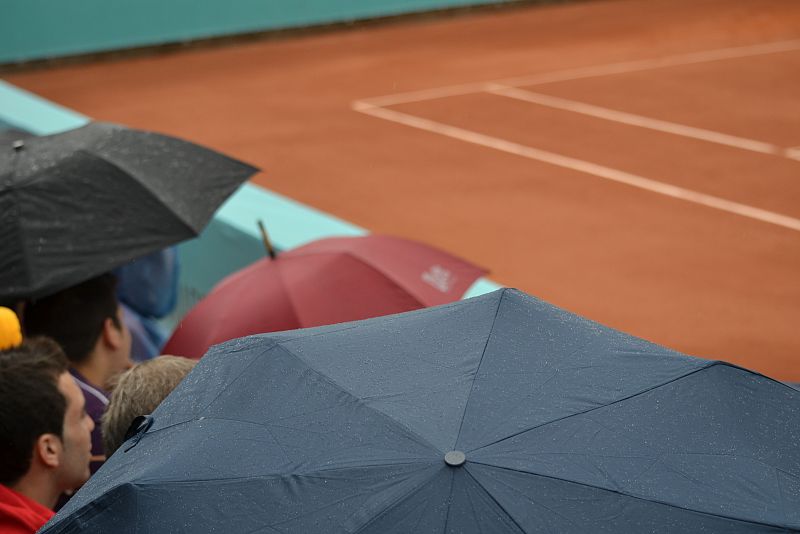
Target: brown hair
<point x="30" y="402"/>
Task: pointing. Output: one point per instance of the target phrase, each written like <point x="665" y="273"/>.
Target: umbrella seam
<point x="155" y="482"/>
<point x="534" y="502"/>
<point x="88" y="513"/>
<point x="389" y="277"/>
<point x="401" y="499"/>
<point x="449" y="501"/>
<point x="422" y="515"/>
<point x="363" y="260"/>
<point x="638" y="393"/>
<point x="284" y="290"/>
<point x="268" y="429"/>
<point x="662" y="503"/>
<point x="249" y="423"/>
<point x="360" y="401"/>
<point x="143" y="187"/>
<point x="393" y="504"/>
<point x="478" y="368"/>
<point x="780" y="491"/>
<point x="246" y="367"/>
<point x="495" y="501"/>
<point x="371" y="267"/>
<point x="329" y="505"/>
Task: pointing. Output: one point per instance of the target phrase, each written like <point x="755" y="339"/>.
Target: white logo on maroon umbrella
<point x="439" y="277"/>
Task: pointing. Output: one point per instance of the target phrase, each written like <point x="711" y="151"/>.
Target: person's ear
<point x="48" y="450"/>
<point x="112" y="334"/>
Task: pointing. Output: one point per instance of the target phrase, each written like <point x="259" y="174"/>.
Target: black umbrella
<point x="495" y="414"/>
<point x="77" y="204"/>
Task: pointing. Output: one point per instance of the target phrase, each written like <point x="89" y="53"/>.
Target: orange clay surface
<point x="703" y="280"/>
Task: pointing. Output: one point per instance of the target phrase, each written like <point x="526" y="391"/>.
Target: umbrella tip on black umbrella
<point x="455" y="458"/>
<point x="19" y="144"/>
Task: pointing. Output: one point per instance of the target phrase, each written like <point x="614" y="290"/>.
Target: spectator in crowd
<point x="86" y="320"/>
<point x="147" y="288"/>
<point x="139" y="391"/>
<point x="46" y="434"/>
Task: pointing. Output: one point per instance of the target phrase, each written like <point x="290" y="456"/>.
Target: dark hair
<point x="30" y="402"/>
<point x="74" y="317"/>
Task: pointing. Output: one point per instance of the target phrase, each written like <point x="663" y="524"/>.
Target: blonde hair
<point x="138" y="391"/>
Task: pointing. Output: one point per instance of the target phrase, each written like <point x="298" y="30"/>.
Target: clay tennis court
<point x="636" y="162"/>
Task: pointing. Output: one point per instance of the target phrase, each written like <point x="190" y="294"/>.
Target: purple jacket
<point x="96" y="402"/>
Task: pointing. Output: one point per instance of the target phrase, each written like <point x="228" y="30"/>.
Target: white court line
<point x="636" y="120"/>
<point x="578" y="165"/>
<point x="793" y="153"/>
<point x="588" y="72"/>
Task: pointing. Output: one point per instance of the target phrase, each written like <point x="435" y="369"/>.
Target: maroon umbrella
<point x="327" y="281"/>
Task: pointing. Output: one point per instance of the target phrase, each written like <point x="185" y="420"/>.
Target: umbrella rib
<point x="632" y="395"/>
<point x="422" y="515"/>
<point x="246" y="367"/>
<point x="495" y="501"/>
<point x="516" y="491"/>
<point x="143" y="187"/>
<point x="315" y="474"/>
<point x="300" y="515"/>
<point x="360" y="401"/>
<point x="396" y="502"/>
<point x="480" y="362"/>
<point x="653" y="501"/>
<point x="362" y="261"/>
<point x="268" y="427"/>
<point x="449" y="501"/>
<point x="388" y="277"/>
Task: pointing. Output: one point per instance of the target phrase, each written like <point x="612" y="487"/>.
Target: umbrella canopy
<point x="79" y="203"/>
<point x="324" y="282"/>
<point x="494" y="414"/>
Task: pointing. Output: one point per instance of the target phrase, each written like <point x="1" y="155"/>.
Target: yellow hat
<point x="10" y="330"/>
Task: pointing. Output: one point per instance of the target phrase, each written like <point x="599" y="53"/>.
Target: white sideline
<point x="578" y="165"/>
<point x="636" y="120"/>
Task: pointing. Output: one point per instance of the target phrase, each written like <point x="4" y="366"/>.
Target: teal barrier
<point x="33" y="113"/>
<point x="39" y="29"/>
<point x="232" y="235"/>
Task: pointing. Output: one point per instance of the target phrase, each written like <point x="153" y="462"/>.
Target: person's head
<point x="46" y="431"/>
<point x="139" y="391"/>
<point x="86" y="320"/>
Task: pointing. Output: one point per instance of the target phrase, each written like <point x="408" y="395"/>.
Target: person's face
<point x="76" y="437"/>
<point x="122" y="354"/>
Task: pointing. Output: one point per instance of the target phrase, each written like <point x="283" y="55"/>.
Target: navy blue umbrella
<point x="495" y="414"/>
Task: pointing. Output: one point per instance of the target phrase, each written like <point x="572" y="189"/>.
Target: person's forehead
<point x="69" y="387"/>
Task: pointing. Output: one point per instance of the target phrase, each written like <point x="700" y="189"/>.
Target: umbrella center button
<point x="455" y="458"/>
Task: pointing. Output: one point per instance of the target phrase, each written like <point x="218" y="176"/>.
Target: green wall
<point x="38" y="29"/>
